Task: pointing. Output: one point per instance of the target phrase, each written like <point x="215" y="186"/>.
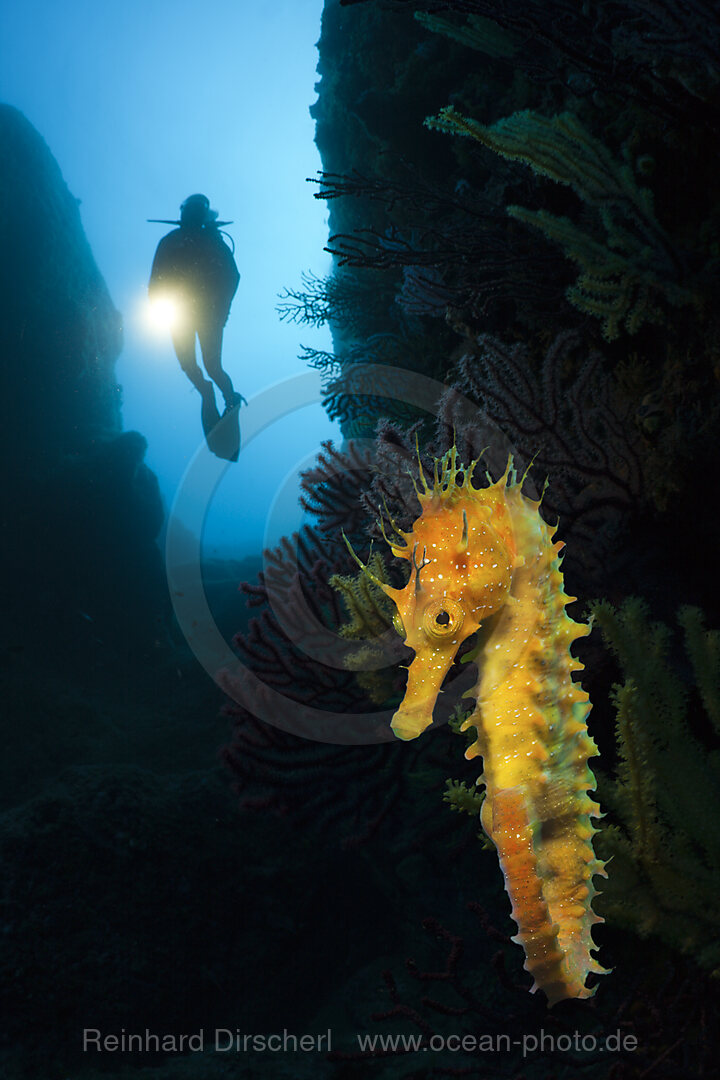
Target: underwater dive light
<point x="163" y="313"/>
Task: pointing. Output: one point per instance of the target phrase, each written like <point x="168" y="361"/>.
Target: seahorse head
<point x="461" y="552"/>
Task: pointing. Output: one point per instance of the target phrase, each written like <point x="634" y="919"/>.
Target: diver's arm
<point x="162" y="264"/>
<point x="156" y="273"/>
<point x="232" y="273"/>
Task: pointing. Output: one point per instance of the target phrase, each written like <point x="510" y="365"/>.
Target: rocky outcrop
<point x="82" y="510"/>
<point x="60" y="333"/>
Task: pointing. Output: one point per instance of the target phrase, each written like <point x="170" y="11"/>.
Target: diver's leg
<point x="184" y="344"/>
<point x="211" y="336"/>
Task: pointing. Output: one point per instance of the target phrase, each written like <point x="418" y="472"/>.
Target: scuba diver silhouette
<point x="195" y="267"/>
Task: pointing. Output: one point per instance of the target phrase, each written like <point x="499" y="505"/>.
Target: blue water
<point x="143" y="105"/>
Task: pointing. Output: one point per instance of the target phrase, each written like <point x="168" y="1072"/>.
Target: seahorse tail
<point x="558" y="960"/>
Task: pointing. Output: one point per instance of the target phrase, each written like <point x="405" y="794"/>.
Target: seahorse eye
<point x="443" y="618"/>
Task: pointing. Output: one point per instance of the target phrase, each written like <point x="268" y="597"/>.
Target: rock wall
<point x="60" y="333"/>
<point x="81" y="509"/>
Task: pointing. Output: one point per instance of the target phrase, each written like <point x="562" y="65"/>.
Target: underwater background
<point x="510" y="244"/>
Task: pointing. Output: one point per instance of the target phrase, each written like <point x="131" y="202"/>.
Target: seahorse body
<point x="485" y="557"/>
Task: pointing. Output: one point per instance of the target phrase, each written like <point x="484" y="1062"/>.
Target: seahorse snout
<point x="426" y="675"/>
<point x="409" y="723"/>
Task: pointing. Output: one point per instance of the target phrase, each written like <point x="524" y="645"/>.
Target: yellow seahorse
<point x="485" y="558"/>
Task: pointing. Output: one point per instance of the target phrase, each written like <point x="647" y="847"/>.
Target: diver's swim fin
<point x="222" y="433"/>
<point x="209" y="413"/>
<point x="237" y="400"/>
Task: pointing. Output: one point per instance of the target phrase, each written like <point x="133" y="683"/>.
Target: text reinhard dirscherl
<point x="224" y="1040"/>
<point x="221" y="1040"/>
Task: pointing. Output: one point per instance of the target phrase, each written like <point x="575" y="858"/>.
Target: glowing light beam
<point x="162" y="314"/>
